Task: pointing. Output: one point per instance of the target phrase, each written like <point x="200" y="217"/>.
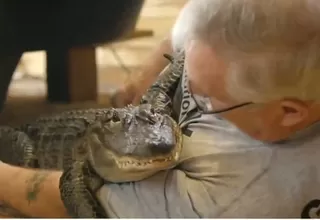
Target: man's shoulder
<point x="282" y="178"/>
<point x="201" y="150"/>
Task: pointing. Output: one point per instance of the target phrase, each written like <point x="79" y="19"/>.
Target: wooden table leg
<point x="8" y="63"/>
<point x="71" y="74"/>
<point x="138" y="33"/>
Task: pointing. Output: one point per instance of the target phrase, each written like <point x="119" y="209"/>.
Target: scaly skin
<point x="122" y="144"/>
<point x="98" y="145"/>
<point x="79" y="184"/>
<point x="161" y="92"/>
<point x="16" y="147"/>
<point x="117" y="145"/>
<point x="58" y="139"/>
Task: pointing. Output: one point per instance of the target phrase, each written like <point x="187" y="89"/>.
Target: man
<point x="248" y="105"/>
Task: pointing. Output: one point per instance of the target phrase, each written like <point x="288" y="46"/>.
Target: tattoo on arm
<point x="6" y="210"/>
<point x="34" y="185"/>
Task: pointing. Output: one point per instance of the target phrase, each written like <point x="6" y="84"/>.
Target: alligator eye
<point x="115" y="117"/>
<point x="144" y="100"/>
<point x="146" y="118"/>
<point x="151" y="120"/>
<point x="127" y="120"/>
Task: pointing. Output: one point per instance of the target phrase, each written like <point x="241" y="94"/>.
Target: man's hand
<point x="128" y="94"/>
<point x="132" y="92"/>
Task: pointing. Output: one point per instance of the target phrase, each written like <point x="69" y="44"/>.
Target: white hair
<point x="272" y="47"/>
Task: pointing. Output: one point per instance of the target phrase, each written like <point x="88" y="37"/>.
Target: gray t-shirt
<point x="224" y="173"/>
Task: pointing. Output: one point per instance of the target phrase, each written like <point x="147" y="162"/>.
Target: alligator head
<point x="135" y="144"/>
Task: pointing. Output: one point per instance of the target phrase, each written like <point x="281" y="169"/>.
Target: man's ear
<point x="294" y="112"/>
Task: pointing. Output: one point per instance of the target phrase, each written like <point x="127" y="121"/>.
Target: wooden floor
<point x="27" y="91"/>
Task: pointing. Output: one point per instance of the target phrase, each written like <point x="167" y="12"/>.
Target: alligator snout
<point x="162" y="148"/>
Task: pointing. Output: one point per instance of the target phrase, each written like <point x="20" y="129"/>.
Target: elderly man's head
<point x="261" y="57"/>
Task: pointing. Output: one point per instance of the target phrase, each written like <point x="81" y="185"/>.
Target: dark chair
<point x="68" y="30"/>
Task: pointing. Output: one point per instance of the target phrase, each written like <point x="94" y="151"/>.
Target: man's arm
<point x="154" y="66"/>
<point x="30" y="193"/>
<point x="135" y="88"/>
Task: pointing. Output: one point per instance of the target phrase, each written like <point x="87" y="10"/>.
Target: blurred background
<point x="116" y="61"/>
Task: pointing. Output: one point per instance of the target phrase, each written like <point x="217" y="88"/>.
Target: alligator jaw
<point x="121" y="168"/>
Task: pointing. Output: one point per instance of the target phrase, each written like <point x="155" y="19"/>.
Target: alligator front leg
<point x="78" y="187"/>
<point x="16" y="148"/>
